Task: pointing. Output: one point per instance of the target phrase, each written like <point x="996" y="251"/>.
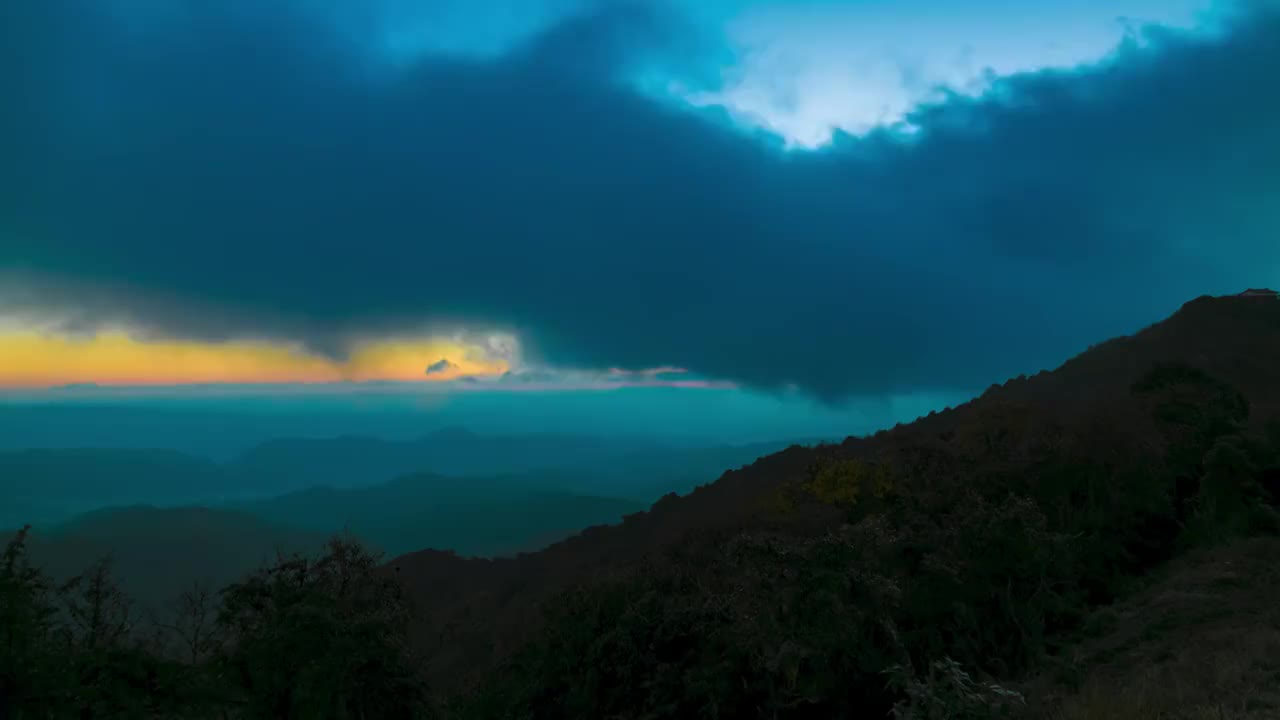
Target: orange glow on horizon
<point x="31" y="359"/>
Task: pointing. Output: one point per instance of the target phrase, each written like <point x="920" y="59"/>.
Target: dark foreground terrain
<point x="1094" y="542"/>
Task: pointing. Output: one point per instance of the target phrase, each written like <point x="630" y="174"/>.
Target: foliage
<point x="320" y="638"/>
<point x="843" y="482"/>
<point x="303" y="638"/>
<point x="992" y="583"/>
<point x="782" y="630"/>
<point x="30" y="649"/>
<point x="947" y="692"/>
<point x="68" y="651"/>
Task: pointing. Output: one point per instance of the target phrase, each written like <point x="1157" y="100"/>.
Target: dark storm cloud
<point x="243" y="173"/>
<point x="440" y="366"/>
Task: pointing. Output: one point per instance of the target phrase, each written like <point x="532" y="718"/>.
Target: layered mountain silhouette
<point x="52" y="485"/>
<point x="472" y="516"/>
<point x="157" y="553"/>
<point x="43" y="486"/>
<point x="288" y="495"/>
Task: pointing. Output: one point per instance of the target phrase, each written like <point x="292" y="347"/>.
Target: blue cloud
<point x="439" y="366"/>
<point x="204" y="178"/>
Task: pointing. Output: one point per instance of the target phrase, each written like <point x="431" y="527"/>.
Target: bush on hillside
<point x="300" y="639"/>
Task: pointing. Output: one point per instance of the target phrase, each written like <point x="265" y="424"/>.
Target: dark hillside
<point x="1080" y="441"/>
<point x="1234" y="339"/>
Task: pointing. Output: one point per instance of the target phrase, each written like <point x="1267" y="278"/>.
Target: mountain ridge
<point x="1236" y="340"/>
<point x="72" y="481"/>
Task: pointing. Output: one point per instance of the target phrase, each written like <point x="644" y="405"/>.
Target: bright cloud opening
<point x="804" y="70"/>
<point x="34" y="359"/>
<point x="37" y="359"/>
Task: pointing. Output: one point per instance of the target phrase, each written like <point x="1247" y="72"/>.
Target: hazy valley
<point x="170" y="519"/>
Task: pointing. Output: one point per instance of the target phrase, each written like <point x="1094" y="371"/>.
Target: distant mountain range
<point x="47" y="486"/>
<point x="157" y="553"/>
<point x="353" y="461"/>
<point x="486" y="516"/>
<point x="44" y="486"/>
<point x="169" y="519"/>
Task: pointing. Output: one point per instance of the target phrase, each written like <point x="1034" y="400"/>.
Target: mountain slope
<point x="1082" y="414"/>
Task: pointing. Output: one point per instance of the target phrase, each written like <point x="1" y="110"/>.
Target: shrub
<point x="947" y="692"/>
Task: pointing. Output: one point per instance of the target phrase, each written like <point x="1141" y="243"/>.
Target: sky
<point x="832" y="204"/>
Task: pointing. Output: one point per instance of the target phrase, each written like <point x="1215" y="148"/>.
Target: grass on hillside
<point x="1200" y="642"/>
